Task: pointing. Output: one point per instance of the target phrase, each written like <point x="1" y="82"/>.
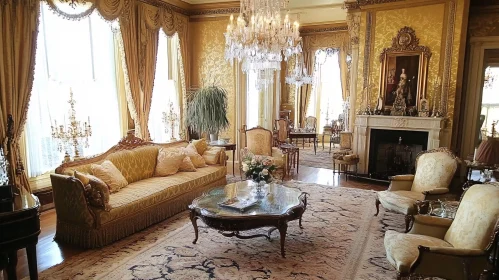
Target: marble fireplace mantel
<point x="364" y="124"/>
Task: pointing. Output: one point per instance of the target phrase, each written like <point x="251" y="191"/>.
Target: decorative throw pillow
<point x="169" y="161"/>
<point x="108" y="173"/>
<point x="187" y="165"/>
<point x="212" y="155"/>
<point x="196" y="158"/>
<point x="201" y="145"/>
<point x="96" y="191"/>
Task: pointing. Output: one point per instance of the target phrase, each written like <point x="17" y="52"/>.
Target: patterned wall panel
<point x="208" y="64"/>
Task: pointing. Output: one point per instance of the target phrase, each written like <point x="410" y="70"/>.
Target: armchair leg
<point x="408" y="220"/>
<point x="377" y="206"/>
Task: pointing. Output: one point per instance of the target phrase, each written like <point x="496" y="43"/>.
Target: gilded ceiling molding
<point x="162" y="4"/>
<point x="313" y="29"/>
<point x="216" y="11"/>
<point x="359" y="3"/>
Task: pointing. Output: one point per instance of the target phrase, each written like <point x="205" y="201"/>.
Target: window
<point x="164" y="92"/>
<point x="490" y="99"/>
<point x="77" y="55"/>
<point x="326" y="102"/>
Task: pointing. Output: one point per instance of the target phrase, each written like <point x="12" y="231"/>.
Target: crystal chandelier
<point x="489" y="78"/>
<point x="299" y="75"/>
<point x="259" y="38"/>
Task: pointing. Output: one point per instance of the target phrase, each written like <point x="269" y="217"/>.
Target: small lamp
<point x="488" y="151"/>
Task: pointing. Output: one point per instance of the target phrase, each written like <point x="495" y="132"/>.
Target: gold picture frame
<point x="404" y="71"/>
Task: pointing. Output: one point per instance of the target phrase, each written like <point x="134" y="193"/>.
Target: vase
<point x="259" y="192"/>
<point x="213" y="137"/>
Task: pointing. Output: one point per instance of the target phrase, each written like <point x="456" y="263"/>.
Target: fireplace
<point x="393" y="152"/>
<point x="409" y="128"/>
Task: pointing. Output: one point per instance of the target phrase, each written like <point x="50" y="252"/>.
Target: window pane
<point x="252" y="101"/>
<point x="77" y="55"/>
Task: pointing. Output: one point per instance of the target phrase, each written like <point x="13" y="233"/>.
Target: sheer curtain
<point x="77" y="55"/>
<point x="252" y="101"/>
<point x="326" y="101"/>
<point x="164" y="92"/>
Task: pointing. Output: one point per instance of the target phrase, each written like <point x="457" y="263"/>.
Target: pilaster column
<point x="353" y="21"/>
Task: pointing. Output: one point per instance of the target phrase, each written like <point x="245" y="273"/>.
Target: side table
<point x="229" y="147"/>
<point x="293" y="156"/>
<point x="20" y="226"/>
<point x="347" y="164"/>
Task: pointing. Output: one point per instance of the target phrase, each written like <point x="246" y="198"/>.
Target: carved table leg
<point x="408" y="220"/>
<point x="283" y="227"/>
<point x="32" y="263"/>
<point x="195" y="225"/>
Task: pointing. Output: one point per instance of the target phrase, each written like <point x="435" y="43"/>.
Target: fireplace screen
<point x="394" y="152"/>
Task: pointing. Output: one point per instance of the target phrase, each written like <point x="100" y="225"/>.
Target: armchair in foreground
<point x="457" y="249"/>
<point x="435" y="170"/>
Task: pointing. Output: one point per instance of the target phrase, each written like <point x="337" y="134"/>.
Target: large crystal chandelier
<point x="259" y="38"/>
<point x="299" y="76"/>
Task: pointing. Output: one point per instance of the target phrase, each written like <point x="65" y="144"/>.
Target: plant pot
<point x="213" y="137"/>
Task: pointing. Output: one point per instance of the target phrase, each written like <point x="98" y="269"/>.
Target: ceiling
<point x="309" y="12"/>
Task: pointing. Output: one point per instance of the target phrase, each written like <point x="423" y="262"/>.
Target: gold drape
<point x="312" y="43"/>
<point x="108" y="9"/>
<point x="19" y="25"/>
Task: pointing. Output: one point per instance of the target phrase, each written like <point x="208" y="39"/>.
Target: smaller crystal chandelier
<point x="72" y="134"/>
<point x="299" y="75"/>
<point x="169" y="120"/>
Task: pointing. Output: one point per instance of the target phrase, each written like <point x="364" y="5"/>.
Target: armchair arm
<point x="436" y="191"/>
<point x="430" y="226"/>
<point x="401" y="183"/>
<point x="450" y="263"/>
<point x="70" y="201"/>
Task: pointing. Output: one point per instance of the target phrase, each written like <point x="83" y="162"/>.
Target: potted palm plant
<point x="207" y="111"/>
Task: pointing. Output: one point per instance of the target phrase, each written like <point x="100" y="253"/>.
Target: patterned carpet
<point x="323" y="159"/>
<point x="341" y="239"/>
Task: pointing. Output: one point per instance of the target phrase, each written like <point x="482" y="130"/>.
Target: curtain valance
<point x="109" y="9"/>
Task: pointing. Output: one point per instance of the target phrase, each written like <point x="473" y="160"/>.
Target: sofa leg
<point x="408" y="220"/>
<point x="377" y="206"/>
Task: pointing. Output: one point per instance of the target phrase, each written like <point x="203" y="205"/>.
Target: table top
<point x="288" y="146"/>
<point x="302" y="133"/>
<point x="278" y="201"/>
<point x="222" y="145"/>
<point x="20" y="203"/>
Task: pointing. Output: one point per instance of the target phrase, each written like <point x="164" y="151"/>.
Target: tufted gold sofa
<point x="145" y="201"/>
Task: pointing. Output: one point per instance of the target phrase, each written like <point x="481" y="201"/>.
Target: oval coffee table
<point x="274" y="209"/>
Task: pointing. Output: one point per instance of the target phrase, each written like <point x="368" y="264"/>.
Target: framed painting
<point x="404" y="70"/>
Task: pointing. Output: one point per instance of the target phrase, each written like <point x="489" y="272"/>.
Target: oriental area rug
<point x="323" y="159"/>
<point x="341" y="239"/>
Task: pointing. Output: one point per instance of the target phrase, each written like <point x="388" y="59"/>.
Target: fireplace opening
<point x="393" y="152"/>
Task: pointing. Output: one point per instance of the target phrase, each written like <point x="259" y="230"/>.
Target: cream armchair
<point x="259" y="142"/>
<point x="459" y="249"/>
<point x="434" y="172"/>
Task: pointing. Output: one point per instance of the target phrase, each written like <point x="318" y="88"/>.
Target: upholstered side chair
<point x="310" y="124"/>
<point x="462" y="248"/>
<point x="259" y="142"/>
<point x="435" y="170"/>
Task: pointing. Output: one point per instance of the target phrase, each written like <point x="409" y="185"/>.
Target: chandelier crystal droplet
<point x="260" y="38"/>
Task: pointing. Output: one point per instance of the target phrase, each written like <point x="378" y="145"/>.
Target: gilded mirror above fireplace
<point x="404" y="70"/>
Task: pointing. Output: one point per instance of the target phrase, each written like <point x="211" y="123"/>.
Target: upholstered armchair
<point x="451" y="249"/>
<point x="435" y="170"/>
<point x="259" y="142"/>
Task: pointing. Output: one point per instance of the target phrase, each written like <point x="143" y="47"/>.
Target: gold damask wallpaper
<point x="208" y="65"/>
<point x="433" y="26"/>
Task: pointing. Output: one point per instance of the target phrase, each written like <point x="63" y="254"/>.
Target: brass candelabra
<point x="73" y="133"/>
<point x="169" y="120"/>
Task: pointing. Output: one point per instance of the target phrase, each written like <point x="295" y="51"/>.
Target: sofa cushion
<point x="200" y="145"/>
<point x="136" y="164"/>
<point x="169" y="161"/>
<point x="187" y="165"/>
<point x="108" y="173"/>
<point x="212" y="155"/>
<point x="142" y="194"/>
<point x="196" y="158"/>
<point x="96" y="191"/>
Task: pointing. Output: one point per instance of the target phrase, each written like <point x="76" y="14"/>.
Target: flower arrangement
<point x="257" y="168"/>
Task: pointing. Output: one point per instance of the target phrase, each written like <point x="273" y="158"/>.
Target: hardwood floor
<point x="50" y="253"/>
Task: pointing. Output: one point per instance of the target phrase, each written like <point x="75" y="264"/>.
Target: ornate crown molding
<point x="313" y="29"/>
<point x="216" y="11"/>
<point x="405" y="40"/>
<point x="359" y="3"/>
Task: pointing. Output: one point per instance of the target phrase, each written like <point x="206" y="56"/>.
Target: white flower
<point x="245" y="167"/>
<point x="265" y="172"/>
<point x="253" y="161"/>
